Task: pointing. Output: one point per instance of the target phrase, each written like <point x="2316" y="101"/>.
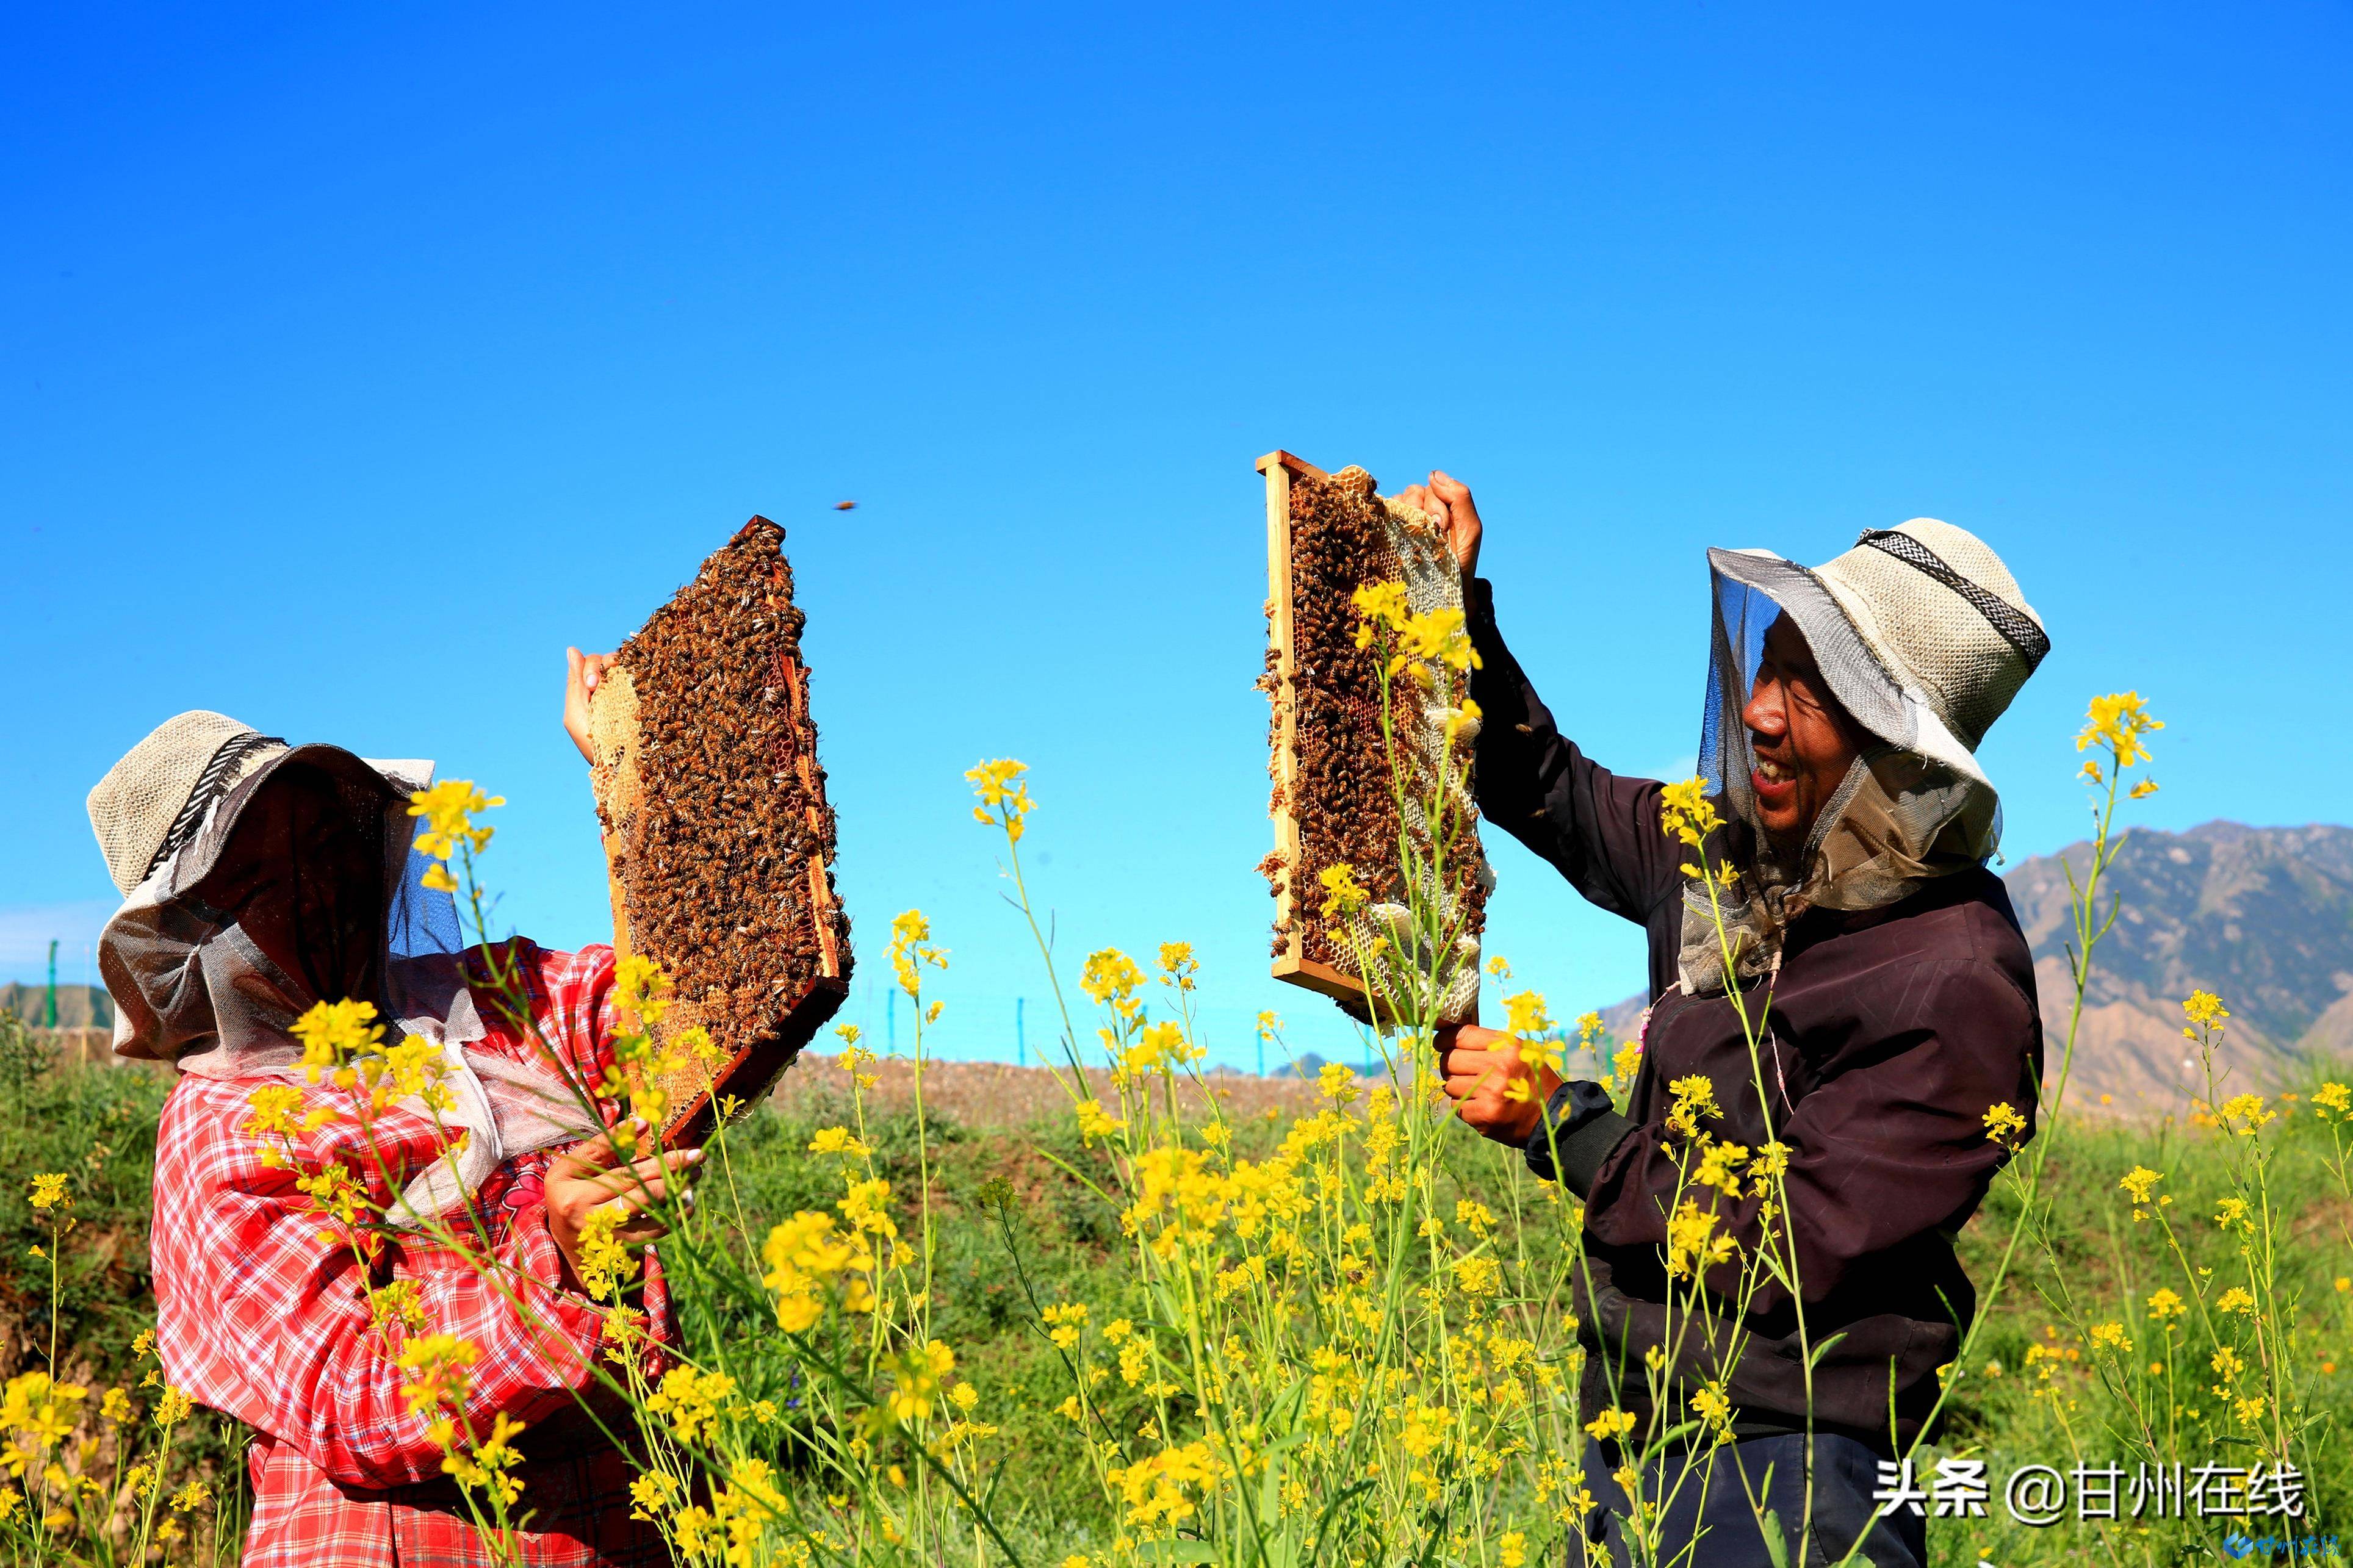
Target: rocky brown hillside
<point x="2261" y="916"/>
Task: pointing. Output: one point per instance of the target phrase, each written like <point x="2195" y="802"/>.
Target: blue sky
<point x="354" y="361"/>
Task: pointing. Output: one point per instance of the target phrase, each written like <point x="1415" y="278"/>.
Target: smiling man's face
<point x="1803" y="740"/>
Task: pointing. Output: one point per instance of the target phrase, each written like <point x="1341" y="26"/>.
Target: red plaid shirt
<point x="261" y="1319"/>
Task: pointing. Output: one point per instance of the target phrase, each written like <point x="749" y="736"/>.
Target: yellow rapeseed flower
<point x="2205" y="1011"/>
<point x="1342" y="894"/>
<point x="1110" y="978"/>
<point x="838" y="1141"/>
<point x="1694" y="1096"/>
<point x="605" y="1262"/>
<point x="449" y="809"/>
<point x="439" y="1374"/>
<point x="1686" y="813"/>
<point x="693" y="1400"/>
<point x="1379" y="606"/>
<point x="1611" y="1422"/>
<point x="2117" y="722"/>
<point x="1094" y="1122"/>
<point x="1694" y="1246"/>
<point x="2003" y="1125"/>
<point x="918" y="1374"/>
<point x="1002" y="792"/>
<point x="910" y="932"/>
<point x="805" y="1255"/>
<point x="2244" y="1114"/>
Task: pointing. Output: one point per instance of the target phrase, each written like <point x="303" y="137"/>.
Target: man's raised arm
<point x="1599" y="830"/>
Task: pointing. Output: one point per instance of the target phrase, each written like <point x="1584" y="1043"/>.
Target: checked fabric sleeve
<point x="262" y="1320"/>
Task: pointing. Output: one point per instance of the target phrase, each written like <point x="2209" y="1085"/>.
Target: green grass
<point x="1019" y="1225"/>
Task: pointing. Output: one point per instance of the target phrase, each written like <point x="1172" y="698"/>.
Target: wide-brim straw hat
<point x="172" y="801"/>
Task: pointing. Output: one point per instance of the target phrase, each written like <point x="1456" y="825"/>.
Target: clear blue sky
<point x="355" y="360"/>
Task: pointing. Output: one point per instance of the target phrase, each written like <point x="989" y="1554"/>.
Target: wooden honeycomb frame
<point x="1291" y="964"/>
<point x="1337" y="761"/>
<point x="638" y="784"/>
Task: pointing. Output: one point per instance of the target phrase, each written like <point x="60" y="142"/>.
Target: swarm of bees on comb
<point x="1329" y="534"/>
<point x="717" y="831"/>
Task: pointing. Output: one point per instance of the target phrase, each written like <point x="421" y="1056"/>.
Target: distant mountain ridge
<point x="2262" y="916"/>
<point x="79" y="1006"/>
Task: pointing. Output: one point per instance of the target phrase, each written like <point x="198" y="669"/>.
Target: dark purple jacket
<point x="1890" y="1033"/>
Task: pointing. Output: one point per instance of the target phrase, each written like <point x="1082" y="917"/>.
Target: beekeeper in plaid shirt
<point x="258" y="879"/>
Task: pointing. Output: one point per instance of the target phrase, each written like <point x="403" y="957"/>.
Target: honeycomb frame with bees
<point x="719" y="839"/>
<point x="1332" y="804"/>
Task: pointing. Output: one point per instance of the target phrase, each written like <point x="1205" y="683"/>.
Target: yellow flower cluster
<point x="1004" y="798"/>
<point x="917" y="1374"/>
<point x="449" y="809"/>
<point x="486" y="1465"/>
<point x="2005" y="1126"/>
<point x="38" y="1413"/>
<point x="604" y="1264"/>
<point x="437" y="1373"/>
<point x="694" y="1401"/>
<point x="1416" y="641"/>
<point x="343" y="1047"/>
<point x="1159" y="1487"/>
<point x="1110" y="978"/>
<point x="1342" y="894"/>
<point x="1064" y="1324"/>
<point x="1695" y="1245"/>
<point x="1693" y="1098"/>
<point x="2204" y="1011"/>
<point x="2140" y="1184"/>
<point x="838" y="1141"/>
<point x="1094" y="1122"/>
<point x="910" y="950"/>
<point x="645" y="1061"/>
<point x="2118" y="723"/>
<point x="810" y="1261"/>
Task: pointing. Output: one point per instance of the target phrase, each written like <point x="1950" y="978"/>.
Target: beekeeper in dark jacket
<point x="1893" y="989"/>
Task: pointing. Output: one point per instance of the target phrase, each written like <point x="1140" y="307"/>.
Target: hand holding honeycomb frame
<point x="717" y="832"/>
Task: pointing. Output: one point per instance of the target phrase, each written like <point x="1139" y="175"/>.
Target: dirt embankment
<point x="996" y="1094"/>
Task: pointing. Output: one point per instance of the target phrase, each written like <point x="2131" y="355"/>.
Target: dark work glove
<point x="1576" y="1133"/>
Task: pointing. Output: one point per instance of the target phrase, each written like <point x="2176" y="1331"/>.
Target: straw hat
<point x="1945" y="617"/>
<point x="156" y="802"/>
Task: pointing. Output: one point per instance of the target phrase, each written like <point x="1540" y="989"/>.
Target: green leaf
<point x="1176" y="1553"/>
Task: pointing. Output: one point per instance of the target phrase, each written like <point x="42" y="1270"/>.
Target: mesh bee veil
<point x="1923" y="656"/>
<point x="193" y="986"/>
<point x="1432" y="583"/>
